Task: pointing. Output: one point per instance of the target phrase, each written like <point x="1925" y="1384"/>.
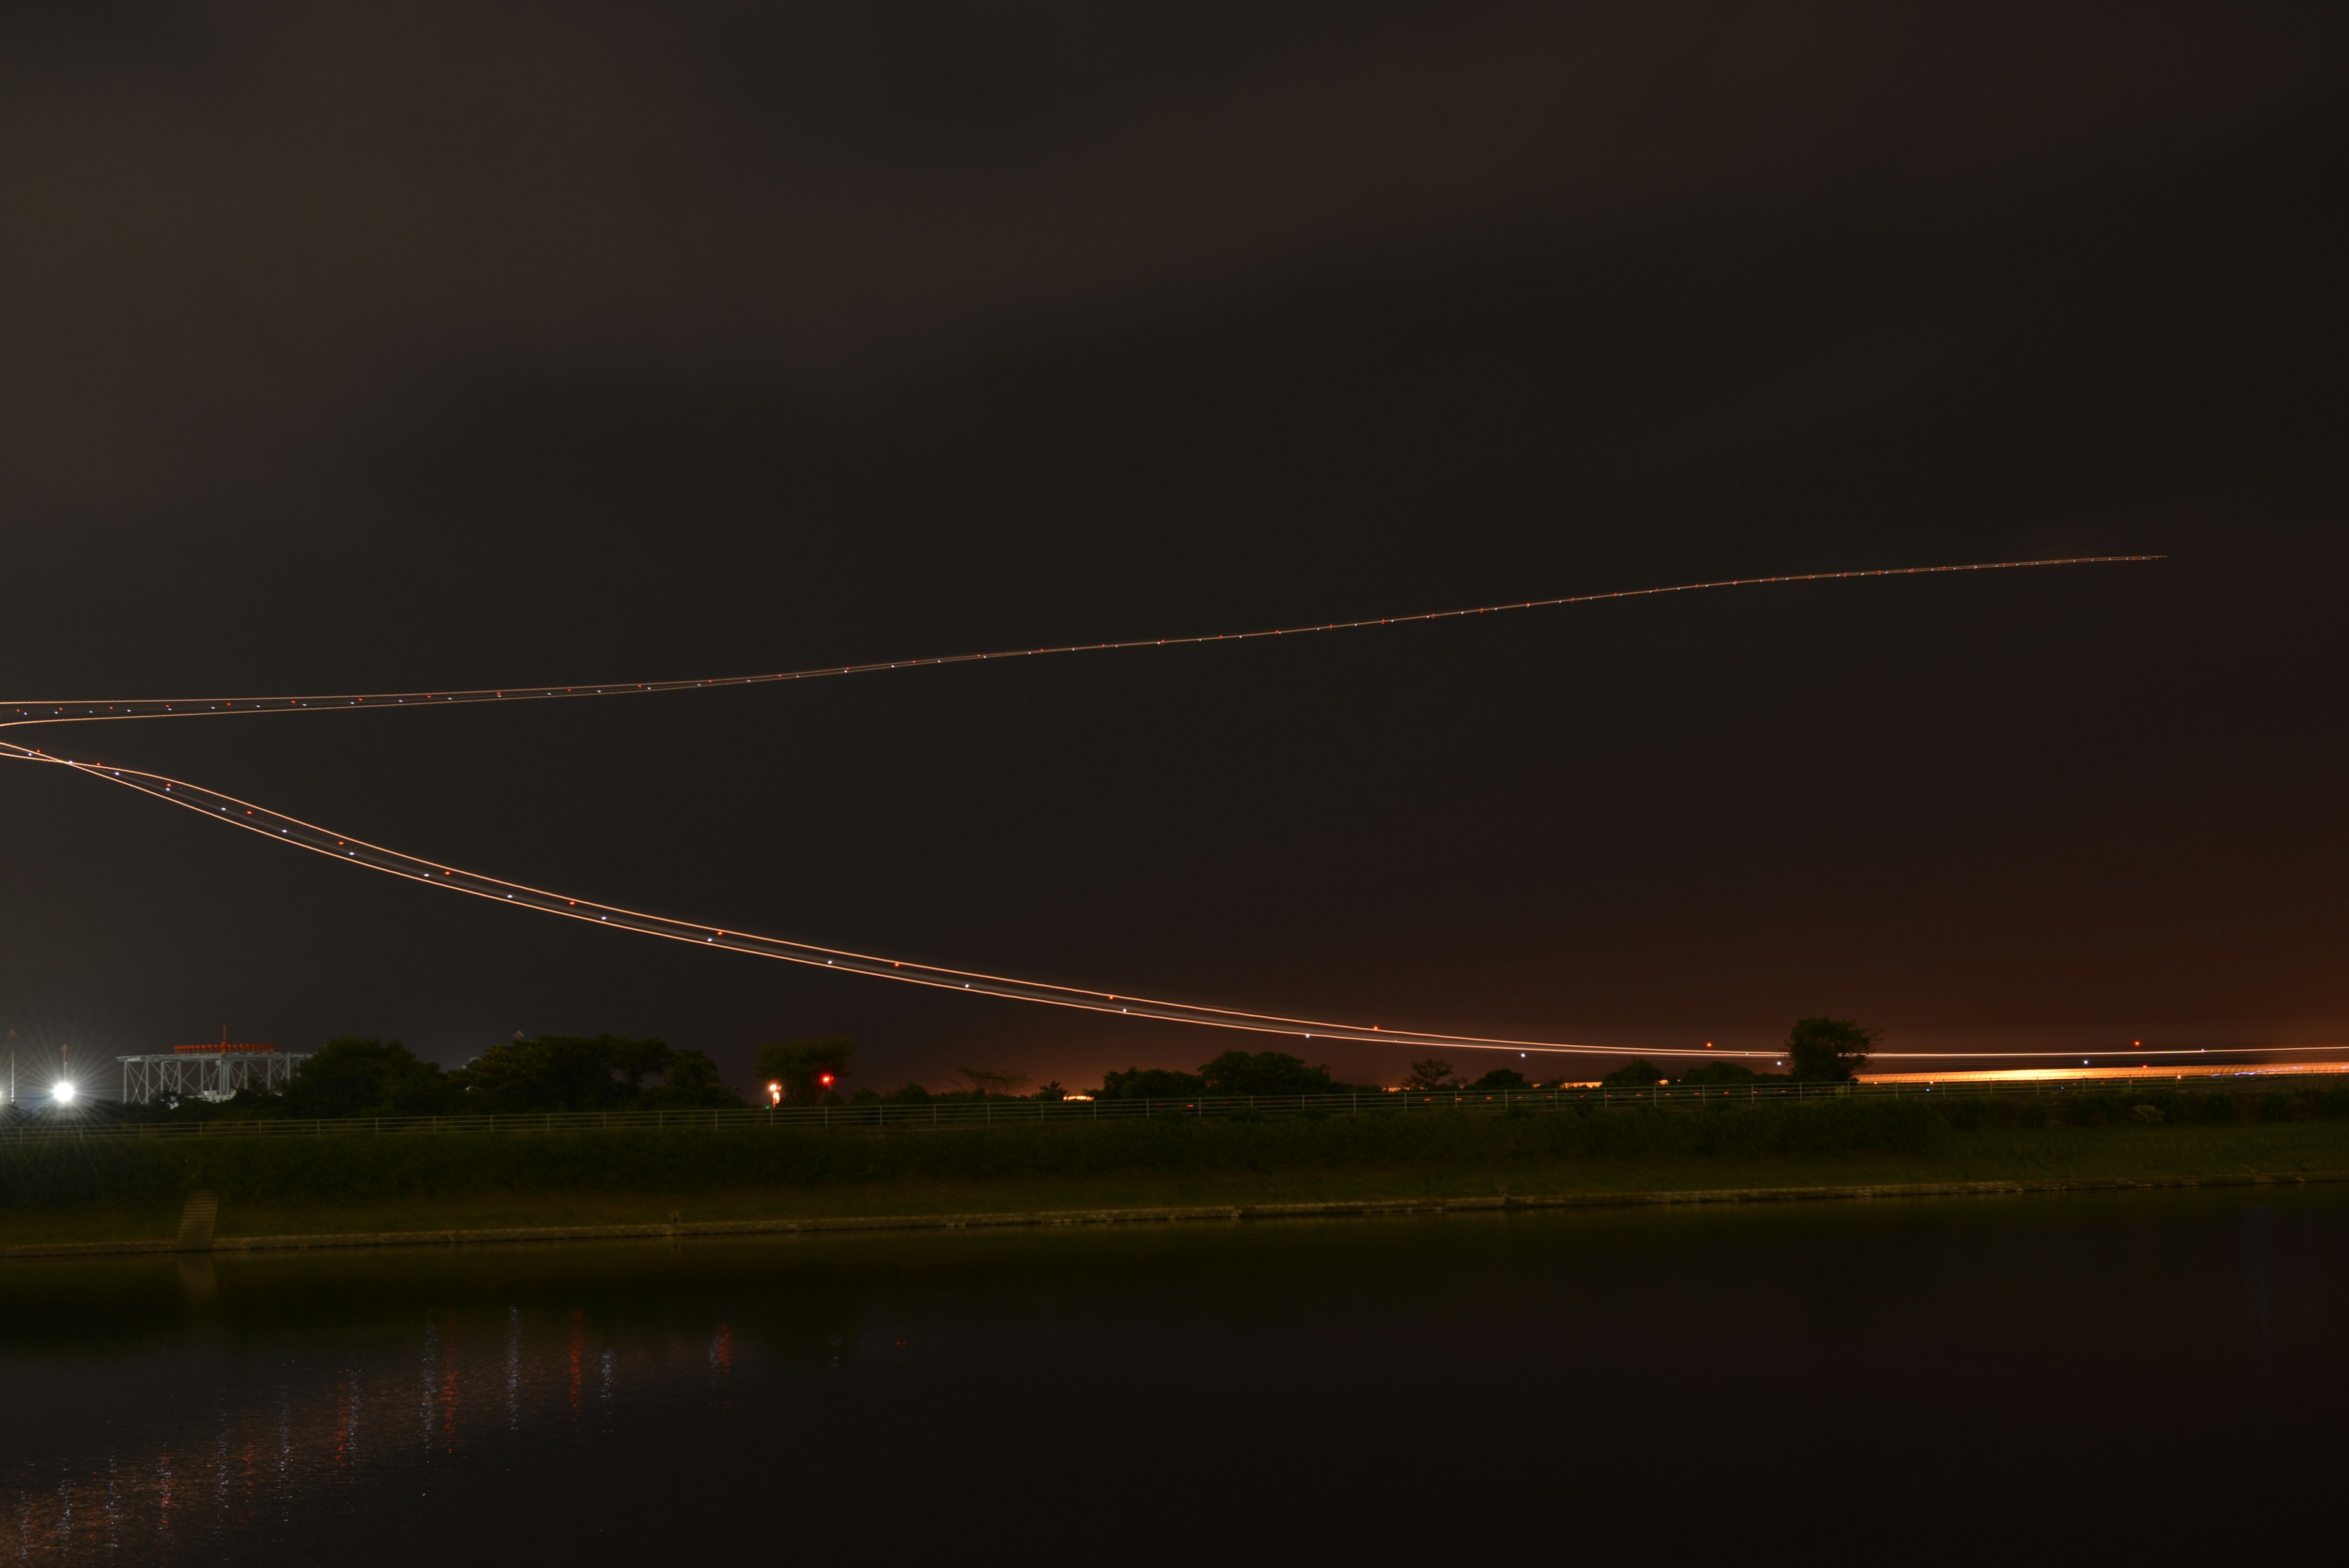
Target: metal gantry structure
<point x="206" y="1072"/>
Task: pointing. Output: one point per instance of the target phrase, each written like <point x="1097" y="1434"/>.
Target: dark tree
<point x="350" y="1077"/>
<point x="1719" y="1073"/>
<point x="1500" y="1080"/>
<point x="1433" y="1073"/>
<point x="993" y="1082"/>
<point x="1639" y="1073"/>
<point x="1827" y="1050"/>
<point x="694" y="1083"/>
<point x="1151" y="1083"/>
<point x="1264" y="1073"/>
<point x="807" y="1069"/>
<point x="563" y="1073"/>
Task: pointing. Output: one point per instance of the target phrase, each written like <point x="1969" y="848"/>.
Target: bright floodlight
<point x="63" y="1093"/>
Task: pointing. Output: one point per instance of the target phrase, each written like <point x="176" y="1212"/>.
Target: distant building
<point x="212" y="1070"/>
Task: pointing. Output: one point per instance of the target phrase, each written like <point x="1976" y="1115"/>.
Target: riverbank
<point x="1515" y="1165"/>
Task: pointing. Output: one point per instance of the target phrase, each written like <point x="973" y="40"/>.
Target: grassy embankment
<point x="114" y="1189"/>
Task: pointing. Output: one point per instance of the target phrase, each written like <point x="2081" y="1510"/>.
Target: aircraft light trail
<point x="22" y="712"/>
<point x="310" y="837"/>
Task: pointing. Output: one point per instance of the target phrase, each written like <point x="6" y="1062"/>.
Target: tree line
<point x="357" y="1078"/>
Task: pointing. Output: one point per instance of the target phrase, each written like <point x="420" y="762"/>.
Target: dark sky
<point x="407" y="345"/>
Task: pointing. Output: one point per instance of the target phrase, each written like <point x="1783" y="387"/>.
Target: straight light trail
<point x="24" y="712"/>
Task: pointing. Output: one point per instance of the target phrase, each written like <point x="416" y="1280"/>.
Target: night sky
<point x="402" y="346"/>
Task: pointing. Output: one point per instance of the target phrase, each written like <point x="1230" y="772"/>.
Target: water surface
<point x="2027" y="1375"/>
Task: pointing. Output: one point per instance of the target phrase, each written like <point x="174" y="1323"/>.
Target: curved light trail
<point x="292" y="830"/>
<point x="281" y="829"/>
<point x="29" y="711"/>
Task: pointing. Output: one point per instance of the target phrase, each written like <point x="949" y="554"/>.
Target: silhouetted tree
<point x="989" y="1083"/>
<point x="564" y="1072"/>
<point x="353" y="1077"/>
<point x="1639" y="1073"/>
<point x="1264" y="1073"/>
<point x="1827" y="1050"/>
<point x="1151" y="1083"/>
<point x="1433" y="1073"/>
<point x="1500" y="1080"/>
<point x="694" y="1083"/>
<point x="1719" y="1073"/>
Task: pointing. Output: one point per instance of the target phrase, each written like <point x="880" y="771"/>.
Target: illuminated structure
<point x="207" y="1072"/>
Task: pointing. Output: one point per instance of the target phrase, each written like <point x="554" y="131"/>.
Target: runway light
<point x="63" y="1093"/>
<point x="774" y="1093"/>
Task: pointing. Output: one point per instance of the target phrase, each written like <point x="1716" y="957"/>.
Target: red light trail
<point x="281" y="829"/>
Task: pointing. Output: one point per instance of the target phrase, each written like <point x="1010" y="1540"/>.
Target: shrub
<point x="2214" y="1107"/>
<point x="1265" y="1072"/>
<point x="1151" y="1083"/>
<point x="340" y="1169"/>
<point x="2146" y="1114"/>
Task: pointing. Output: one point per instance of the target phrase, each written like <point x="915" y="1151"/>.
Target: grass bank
<point x="105" y="1189"/>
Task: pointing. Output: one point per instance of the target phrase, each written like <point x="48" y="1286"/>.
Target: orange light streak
<point x="26" y="711"/>
<point x="278" y="827"/>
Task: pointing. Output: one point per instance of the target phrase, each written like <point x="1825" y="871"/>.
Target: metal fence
<point x="94" y="1122"/>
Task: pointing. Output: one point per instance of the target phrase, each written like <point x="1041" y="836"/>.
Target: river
<point x="2026" y="1373"/>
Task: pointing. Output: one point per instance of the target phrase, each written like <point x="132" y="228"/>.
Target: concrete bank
<point x="1353" y="1208"/>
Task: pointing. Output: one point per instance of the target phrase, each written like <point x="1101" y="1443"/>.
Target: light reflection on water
<point x="497" y="1405"/>
<point x="410" y="1403"/>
